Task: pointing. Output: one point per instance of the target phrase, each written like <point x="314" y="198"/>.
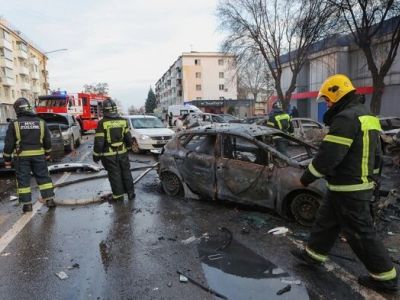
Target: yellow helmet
<point x="336" y="87"/>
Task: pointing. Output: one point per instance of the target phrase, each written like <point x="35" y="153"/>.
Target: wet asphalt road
<point x="133" y="249"/>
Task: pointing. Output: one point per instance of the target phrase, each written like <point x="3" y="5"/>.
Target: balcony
<point x="36" y="89"/>
<point x="7" y="81"/>
<point x="5" y="44"/>
<point x="25" y="86"/>
<point x="35" y="75"/>
<point x="34" y="61"/>
<point x="22" y="54"/>
<point x="23" y="70"/>
<point x="6" y="63"/>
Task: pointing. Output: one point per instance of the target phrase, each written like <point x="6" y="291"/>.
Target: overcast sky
<point x="127" y="43"/>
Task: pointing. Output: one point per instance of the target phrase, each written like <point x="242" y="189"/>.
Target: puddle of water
<point x="239" y="273"/>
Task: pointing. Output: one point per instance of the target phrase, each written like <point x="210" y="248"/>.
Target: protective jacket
<point x="350" y="154"/>
<point x="112" y="137"/>
<point x="280" y="120"/>
<point x="27" y="136"/>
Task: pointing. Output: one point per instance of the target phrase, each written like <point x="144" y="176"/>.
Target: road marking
<point x="7" y="238"/>
<point x="345" y="276"/>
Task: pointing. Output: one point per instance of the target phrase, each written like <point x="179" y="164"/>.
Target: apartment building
<point x="339" y="54"/>
<point x="23" y="67"/>
<point x="209" y="76"/>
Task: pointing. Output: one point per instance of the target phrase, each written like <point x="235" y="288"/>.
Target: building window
<point x="198" y="74"/>
<point x="221" y="74"/>
<point x="221" y="87"/>
<point x="221" y="98"/>
<point x="180" y="93"/>
<point x="220" y="62"/>
<point x="7" y="92"/>
<point x="197" y="62"/>
<point x="198" y="87"/>
<point x="198" y="98"/>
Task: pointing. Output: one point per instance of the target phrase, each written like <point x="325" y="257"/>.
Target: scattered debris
<point x="303" y="236"/>
<point x="62" y="275"/>
<point x="279" y="230"/>
<point x="183" y="278"/>
<point x="296" y="282"/>
<point x="5" y="254"/>
<point x="155" y="289"/>
<point x="229" y="241"/>
<point x="13" y="198"/>
<point x="245" y="230"/>
<point x="99" y="231"/>
<point x="207" y="289"/>
<point x="74" y="266"/>
<point x="172" y="239"/>
<point x="392" y="250"/>
<point x="169" y="284"/>
<point x="215" y="256"/>
<point x="73" y="167"/>
<point x="255" y="221"/>
<point x="189" y="240"/>
<point x="394" y="218"/>
<point x="161" y="238"/>
<point x="284" y="290"/>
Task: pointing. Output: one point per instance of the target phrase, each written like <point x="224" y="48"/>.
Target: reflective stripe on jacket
<point x="350" y="153"/>
<point x="27" y="136"/>
<point x="112" y="137"/>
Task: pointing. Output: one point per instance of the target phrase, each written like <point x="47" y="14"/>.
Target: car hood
<point x="155" y="131"/>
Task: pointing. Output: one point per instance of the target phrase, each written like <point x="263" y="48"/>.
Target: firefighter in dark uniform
<point x="111" y="144"/>
<point x="280" y="120"/>
<point x="28" y="141"/>
<point x="349" y="159"/>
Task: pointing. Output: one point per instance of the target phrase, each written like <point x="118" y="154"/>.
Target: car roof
<point x="388" y="118"/>
<point x="140" y="116"/>
<point x="235" y="128"/>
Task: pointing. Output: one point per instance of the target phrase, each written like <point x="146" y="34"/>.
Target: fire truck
<point x="86" y="107"/>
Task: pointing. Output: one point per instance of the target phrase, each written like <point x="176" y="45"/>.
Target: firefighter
<point x="28" y="140"/>
<point x="348" y="158"/>
<point x="280" y="120"/>
<point x="112" y="139"/>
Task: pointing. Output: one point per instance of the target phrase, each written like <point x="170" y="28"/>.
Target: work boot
<point x="27" y="208"/>
<point x="387" y="286"/>
<point x="50" y="203"/>
<point x="302" y="256"/>
<point x="131" y="196"/>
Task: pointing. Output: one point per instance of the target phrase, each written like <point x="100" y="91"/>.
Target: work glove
<point x="96" y="159"/>
<point x="47" y="157"/>
<point x="307" y="178"/>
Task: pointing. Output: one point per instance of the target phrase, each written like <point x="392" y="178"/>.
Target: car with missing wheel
<point x="240" y="163"/>
<point x="148" y="133"/>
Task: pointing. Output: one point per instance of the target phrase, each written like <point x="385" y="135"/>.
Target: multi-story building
<point x="23" y="68"/>
<point x="339" y="54"/>
<point x="198" y="76"/>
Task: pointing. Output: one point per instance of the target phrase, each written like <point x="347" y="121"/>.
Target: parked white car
<point x="148" y="133"/>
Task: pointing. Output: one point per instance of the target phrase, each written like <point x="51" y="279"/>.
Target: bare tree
<point x="253" y="77"/>
<point x="281" y="31"/>
<point x="100" y="88"/>
<point x="375" y="26"/>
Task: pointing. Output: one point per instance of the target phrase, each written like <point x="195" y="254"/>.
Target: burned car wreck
<point x="239" y="163"/>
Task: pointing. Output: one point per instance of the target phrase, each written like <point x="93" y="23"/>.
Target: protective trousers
<point x="344" y="212"/>
<point x="38" y="166"/>
<point x="119" y="175"/>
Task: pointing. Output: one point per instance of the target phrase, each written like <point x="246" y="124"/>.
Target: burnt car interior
<point x="202" y="144"/>
<point x="235" y="147"/>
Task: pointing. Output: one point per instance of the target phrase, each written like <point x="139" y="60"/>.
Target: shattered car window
<point x="241" y="149"/>
<point x="295" y="149"/>
<point x="202" y="144"/>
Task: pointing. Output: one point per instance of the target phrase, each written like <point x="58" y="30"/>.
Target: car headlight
<point x="144" y="137"/>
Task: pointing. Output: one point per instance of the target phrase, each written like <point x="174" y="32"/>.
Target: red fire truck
<point x="84" y="106"/>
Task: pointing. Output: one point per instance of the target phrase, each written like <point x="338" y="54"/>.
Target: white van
<point x="179" y="110"/>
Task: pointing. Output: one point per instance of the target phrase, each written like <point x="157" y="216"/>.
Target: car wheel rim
<point x="135" y="147"/>
<point x="171" y="183"/>
<point x="307" y="208"/>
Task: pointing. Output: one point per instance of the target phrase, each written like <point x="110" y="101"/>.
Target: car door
<point x="196" y="164"/>
<point x="243" y="173"/>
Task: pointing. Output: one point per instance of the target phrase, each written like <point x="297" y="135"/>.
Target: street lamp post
<point x="44" y="66"/>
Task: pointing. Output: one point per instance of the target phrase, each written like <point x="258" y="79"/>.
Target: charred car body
<point x="239" y="163"/>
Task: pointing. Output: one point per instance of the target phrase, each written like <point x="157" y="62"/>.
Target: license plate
<point x="161" y="142"/>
